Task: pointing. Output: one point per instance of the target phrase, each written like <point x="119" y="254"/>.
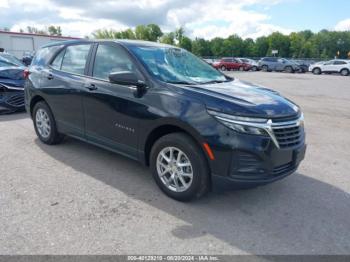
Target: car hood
<point x="242" y="98"/>
<point x="12" y="77"/>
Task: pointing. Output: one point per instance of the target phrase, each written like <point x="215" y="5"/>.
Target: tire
<point x="194" y="159"/>
<point x="241" y="68"/>
<point x="223" y="68"/>
<point x="265" y="68"/>
<point x="254" y="68"/>
<point x="316" y="71"/>
<point x="47" y="132"/>
<point x="288" y="69"/>
<point x="344" y="72"/>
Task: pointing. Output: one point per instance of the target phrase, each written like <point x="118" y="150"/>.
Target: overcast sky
<point x="201" y="18"/>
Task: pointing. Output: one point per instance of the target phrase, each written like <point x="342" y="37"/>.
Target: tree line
<point x="304" y="44"/>
<point x="50" y="30"/>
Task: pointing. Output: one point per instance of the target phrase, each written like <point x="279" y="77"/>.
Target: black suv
<point x="166" y="108"/>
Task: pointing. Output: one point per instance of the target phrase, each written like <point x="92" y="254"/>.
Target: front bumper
<point x="259" y="168"/>
<point x="256" y="160"/>
<point x="11" y="100"/>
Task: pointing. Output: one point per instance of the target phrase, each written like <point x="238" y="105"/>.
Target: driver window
<point x="111" y="59"/>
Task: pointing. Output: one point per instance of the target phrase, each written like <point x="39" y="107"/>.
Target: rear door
<point x="63" y="84"/>
<point x="111" y="110"/>
<point x="339" y="65"/>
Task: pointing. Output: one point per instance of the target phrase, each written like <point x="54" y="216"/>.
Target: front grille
<point x="288" y="133"/>
<point x="16" y="100"/>
<point x="289" y="136"/>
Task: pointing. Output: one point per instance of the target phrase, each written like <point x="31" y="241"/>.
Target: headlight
<point x="248" y="125"/>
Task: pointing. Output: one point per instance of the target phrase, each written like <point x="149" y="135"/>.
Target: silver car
<point x="278" y="64"/>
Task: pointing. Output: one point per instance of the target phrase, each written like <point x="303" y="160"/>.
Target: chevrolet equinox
<point x="163" y="106"/>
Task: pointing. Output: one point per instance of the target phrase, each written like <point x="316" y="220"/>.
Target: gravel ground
<point x="75" y="198"/>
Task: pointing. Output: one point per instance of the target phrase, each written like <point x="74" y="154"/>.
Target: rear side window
<point x="75" y="58"/>
<point x="111" y="59"/>
<point x="340" y="63"/>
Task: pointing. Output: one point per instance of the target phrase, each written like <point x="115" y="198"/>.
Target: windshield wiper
<point x="215" y="82"/>
<point x="180" y="82"/>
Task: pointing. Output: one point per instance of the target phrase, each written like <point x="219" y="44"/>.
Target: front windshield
<point x="175" y="65"/>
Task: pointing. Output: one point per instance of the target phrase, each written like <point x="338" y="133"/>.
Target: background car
<point x="333" y="66"/>
<point x="7" y="59"/>
<point x="11" y="84"/>
<point x="11" y="89"/>
<point x="304" y="64"/>
<point x="278" y="64"/>
<point x="253" y="63"/>
<point x="228" y="63"/>
<point x="27" y="58"/>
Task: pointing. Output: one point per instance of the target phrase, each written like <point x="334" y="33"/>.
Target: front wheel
<point x="223" y="68"/>
<point x="179" y="167"/>
<point x="241" y="68"/>
<point x="45" y="125"/>
<point x="316" y="71"/>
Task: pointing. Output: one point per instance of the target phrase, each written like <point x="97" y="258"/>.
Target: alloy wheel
<point x="174" y="169"/>
<point x="42" y="121"/>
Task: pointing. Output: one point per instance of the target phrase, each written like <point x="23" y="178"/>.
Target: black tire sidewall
<point x="198" y="162"/>
<point x="316" y="71"/>
<point x="288" y="69"/>
<point x="53" y="137"/>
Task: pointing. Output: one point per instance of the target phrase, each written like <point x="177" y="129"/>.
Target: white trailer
<point x="20" y="44"/>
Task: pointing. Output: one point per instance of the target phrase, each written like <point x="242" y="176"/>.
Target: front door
<point x="111" y="110"/>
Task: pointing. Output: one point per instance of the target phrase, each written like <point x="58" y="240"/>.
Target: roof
<point x="30" y="34"/>
<point x="125" y="42"/>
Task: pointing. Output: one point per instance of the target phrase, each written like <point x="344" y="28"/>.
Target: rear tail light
<point x="26" y="73"/>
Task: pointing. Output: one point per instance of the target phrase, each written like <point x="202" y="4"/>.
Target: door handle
<point x="91" y="87"/>
<point x="49" y="76"/>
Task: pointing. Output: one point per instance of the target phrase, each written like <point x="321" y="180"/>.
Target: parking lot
<point x="75" y="198"/>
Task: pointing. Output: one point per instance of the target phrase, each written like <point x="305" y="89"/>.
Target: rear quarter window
<point x="43" y="56"/>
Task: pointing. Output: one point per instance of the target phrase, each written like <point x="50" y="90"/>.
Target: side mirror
<point x="126" y="78"/>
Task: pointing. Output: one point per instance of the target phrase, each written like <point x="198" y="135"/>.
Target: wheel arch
<point x="34" y="101"/>
<point x="168" y="128"/>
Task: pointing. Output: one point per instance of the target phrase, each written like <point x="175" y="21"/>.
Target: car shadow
<point x="13" y="116"/>
<point x="298" y="215"/>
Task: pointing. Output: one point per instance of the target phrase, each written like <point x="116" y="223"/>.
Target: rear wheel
<point x="316" y="71"/>
<point x="288" y="69"/>
<point x="265" y="68"/>
<point x="345" y="72"/>
<point x="179" y="167"/>
<point x="45" y="125"/>
<point x="254" y="68"/>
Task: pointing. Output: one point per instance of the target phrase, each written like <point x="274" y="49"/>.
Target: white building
<point x="19" y="44"/>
